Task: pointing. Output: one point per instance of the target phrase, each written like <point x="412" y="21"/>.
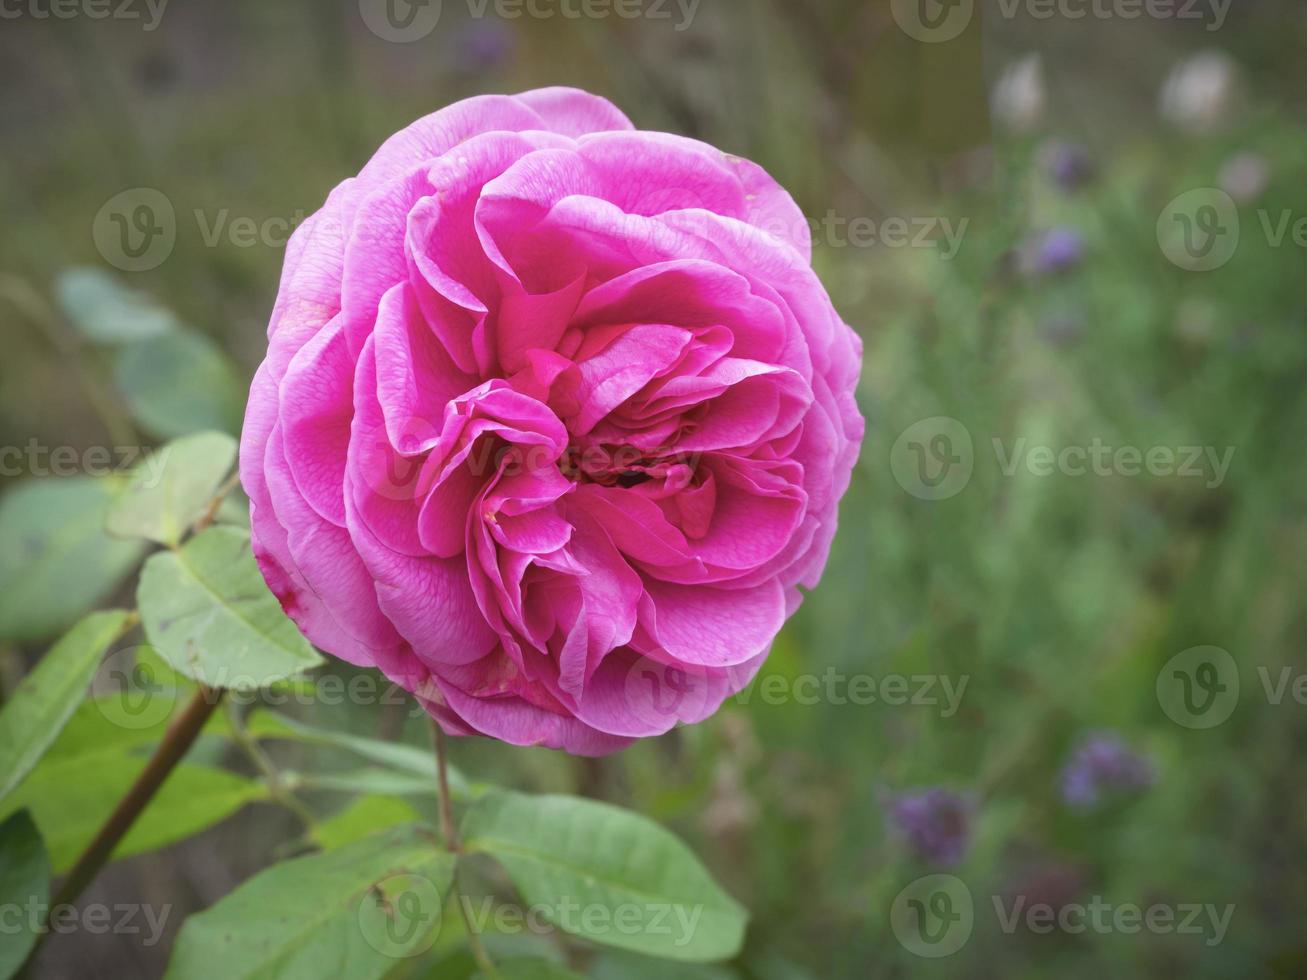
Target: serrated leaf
<point x="571" y="856"/>
<point x="170" y="490"/>
<point x="106" y="311"/>
<point x="24" y="887"/>
<point x="362" y="817"/>
<point x="178" y="383"/>
<point x="56" y="561"/>
<point x="352" y="913"/>
<point x="208" y="612"/>
<point x="47" y="697"/>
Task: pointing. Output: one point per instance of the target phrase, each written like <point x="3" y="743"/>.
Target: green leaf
<point x="172" y="487"/>
<point x="127" y="721"/>
<point x="94" y="762"/>
<point x="179" y="383"/>
<point x="105" y="310"/>
<point x="573" y="856"/>
<point x="393" y="755"/>
<point x="352" y="913"/>
<point x="208" y="612"/>
<point x="56" y="561"/>
<point x="24" y="888"/>
<point x="47" y="697"/>
<point x="371" y="779"/>
<point x="619" y="965"/>
<point x="72" y="797"/>
<point x="360" y="818"/>
<point x="530" y="968"/>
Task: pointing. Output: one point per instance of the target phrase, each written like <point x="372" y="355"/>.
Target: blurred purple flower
<point x="1055" y="251"/>
<point x="1104" y="765"/>
<point x="484" y="45"/>
<point x="935" y="823"/>
<point x="1068" y="165"/>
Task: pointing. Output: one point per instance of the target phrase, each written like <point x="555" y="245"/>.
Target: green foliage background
<point x="1059" y="598"/>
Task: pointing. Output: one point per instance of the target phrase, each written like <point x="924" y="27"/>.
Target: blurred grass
<point x="1059" y="598"/>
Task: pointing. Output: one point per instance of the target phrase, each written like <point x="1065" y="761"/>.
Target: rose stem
<point x="176" y="741"/>
<point x="449" y="831"/>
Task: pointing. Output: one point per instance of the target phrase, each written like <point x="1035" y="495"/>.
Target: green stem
<point x="272" y="776"/>
<point x="215" y="504"/>
<point x="177" y="740"/>
<point x="449" y="831"/>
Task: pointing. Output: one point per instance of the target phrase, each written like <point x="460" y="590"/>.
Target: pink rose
<point x="554" y="421"/>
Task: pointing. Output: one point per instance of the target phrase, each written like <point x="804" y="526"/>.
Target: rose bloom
<point x="553" y="423"/>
